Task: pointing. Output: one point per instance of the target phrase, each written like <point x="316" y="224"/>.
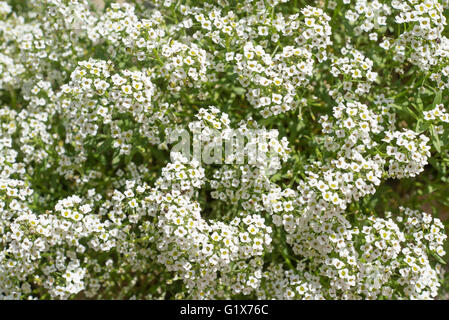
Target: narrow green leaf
<point x="438" y="258"/>
<point x="436" y="140"/>
<point x="437" y="99"/>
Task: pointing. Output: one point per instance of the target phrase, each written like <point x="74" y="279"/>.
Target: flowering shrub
<point x="261" y="149"/>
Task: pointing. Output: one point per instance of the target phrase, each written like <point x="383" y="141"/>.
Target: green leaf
<point x="445" y="137"/>
<point x="419" y="105"/>
<point x="414" y="115"/>
<point x="438" y="258"/>
<point x="407" y="110"/>
<point x="239" y="91"/>
<point x="436" y="140"/>
<point x="437" y="99"/>
<point x="422" y="126"/>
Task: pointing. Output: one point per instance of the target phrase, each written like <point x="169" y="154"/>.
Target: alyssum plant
<point x="348" y="97"/>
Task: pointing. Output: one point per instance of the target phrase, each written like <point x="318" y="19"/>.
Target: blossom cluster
<point x="313" y="159"/>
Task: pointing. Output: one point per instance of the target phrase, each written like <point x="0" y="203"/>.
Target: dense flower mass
<point x="254" y="149"/>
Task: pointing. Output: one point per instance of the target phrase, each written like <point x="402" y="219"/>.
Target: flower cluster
<point x="223" y="149"/>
